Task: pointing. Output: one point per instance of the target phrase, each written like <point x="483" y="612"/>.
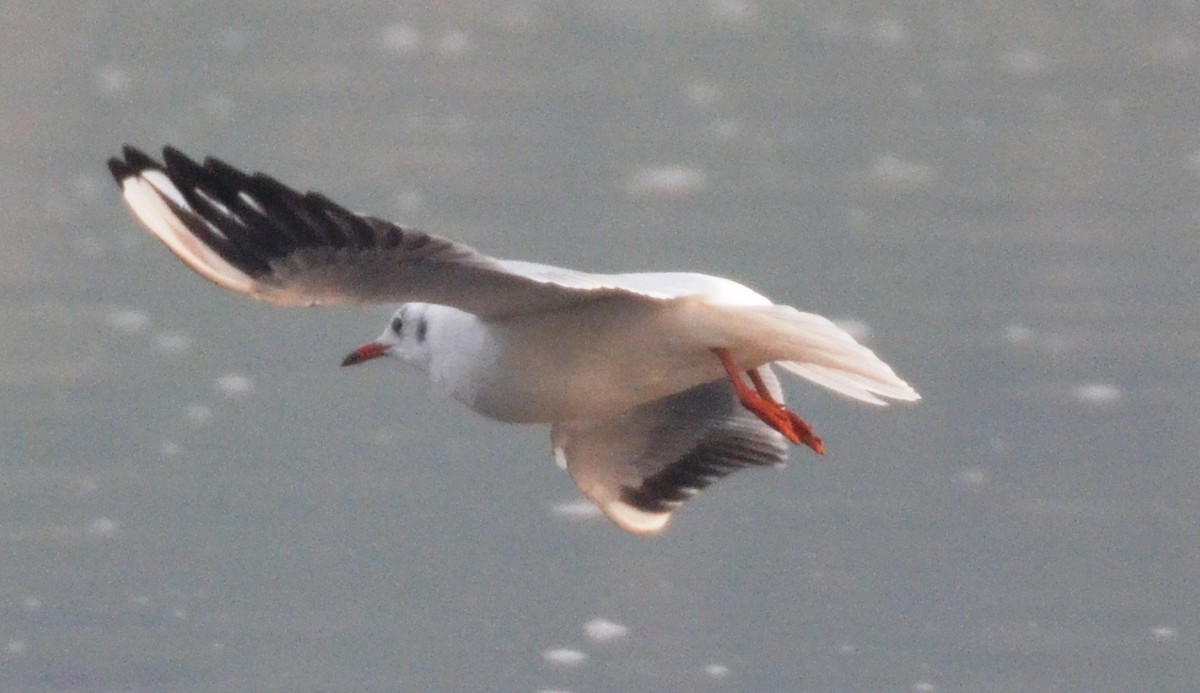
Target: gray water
<point x="1003" y="199"/>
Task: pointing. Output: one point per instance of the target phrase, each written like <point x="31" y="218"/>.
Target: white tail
<point x="814" y="348"/>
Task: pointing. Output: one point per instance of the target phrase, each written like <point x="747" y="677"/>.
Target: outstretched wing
<point x="641" y="465"/>
<point x="254" y="235"/>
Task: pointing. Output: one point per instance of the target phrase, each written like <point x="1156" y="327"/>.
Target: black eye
<point x="397" y="324"/>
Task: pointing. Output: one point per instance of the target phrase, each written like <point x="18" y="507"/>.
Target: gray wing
<point x="254" y="235"/>
<point x="641" y="465"/>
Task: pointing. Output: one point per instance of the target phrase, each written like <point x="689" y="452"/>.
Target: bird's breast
<point x="593" y="360"/>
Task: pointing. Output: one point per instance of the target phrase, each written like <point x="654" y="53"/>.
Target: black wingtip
<point x="119" y="170"/>
<point x="135" y="162"/>
<point x="137" y="159"/>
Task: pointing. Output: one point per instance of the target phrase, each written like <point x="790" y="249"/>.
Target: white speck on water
<point x="454" y="42"/>
<point x="15" y="647"/>
<point x="564" y="656"/>
<point x="604" y="630"/>
<point x="410" y="201"/>
<point x="179" y="613"/>
<point x="400" y="39"/>
<point x="112" y="80"/>
<point x="1024" y="60"/>
<point x="31" y="603"/>
<point x="1194" y="162"/>
<point x="1097" y="394"/>
<point x="169" y="449"/>
<point x="892" y="171"/>
<point x="1018" y="334"/>
<point x="173" y="342"/>
<point x="924" y="686"/>
<point x="703" y="94"/>
<point x="235" y="385"/>
<point x="1163" y="632"/>
<point x="218" y="106"/>
<point x="846" y="648"/>
<point x="576" y="509"/>
<point x="890" y="32"/>
<point x="86" y="188"/>
<point x="717" y="671"/>
<point x="232" y="40"/>
<point x="102" y="527"/>
<point x="727" y="129"/>
<point x="670" y="181"/>
<point x="128" y="319"/>
<point x="198" y="414"/>
<point x="971" y="477"/>
<point x="733" y="10"/>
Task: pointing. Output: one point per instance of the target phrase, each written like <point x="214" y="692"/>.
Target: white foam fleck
<point x="454" y="42"/>
<point x="15" y="647"/>
<point x="1194" y="162"/>
<point x="31" y="603"/>
<point x="734" y="10"/>
<point x="128" y="319"/>
<point x="604" y="630"/>
<point x="703" y="94"/>
<point x="971" y="477"/>
<point x="890" y="32"/>
<point x="892" y="171"/>
<point x="717" y="671"/>
<point x="1163" y="632"/>
<point x="576" y="509"/>
<point x="198" y="413"/>
<point x="102" y="527"/>
<point x="924" y="686"/>
<point x="173" y="342"/>
<point x="235" y="385"/>
<point x="666" y="181"/>
<point x="564" y="656"/>
<point x="1097" y="394"/>
<point x="169" y="449"/>
<point x="1017" y="334"/>
<point x="218" y="106"/>
<point x="400" y="39"/>
<point x="1024" y="60"/>
<point x="410" y="201"/>
<point x="113" y="79"/>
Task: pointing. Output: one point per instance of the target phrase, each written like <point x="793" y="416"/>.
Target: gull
<point x="655" y="384"/>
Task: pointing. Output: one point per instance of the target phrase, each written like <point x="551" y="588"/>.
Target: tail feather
<point x="814" y="348"/>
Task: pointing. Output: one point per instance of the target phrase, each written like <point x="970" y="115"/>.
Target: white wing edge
<point x="624" y="515"/>
<point x="147" y="195"/>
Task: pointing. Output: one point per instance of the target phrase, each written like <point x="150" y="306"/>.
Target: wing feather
<point x="254" y="235"/>
<point x="640" y="466"/>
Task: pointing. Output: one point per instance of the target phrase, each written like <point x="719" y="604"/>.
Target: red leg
<point x="756" y="378"/>
<point x="763" y="405"/>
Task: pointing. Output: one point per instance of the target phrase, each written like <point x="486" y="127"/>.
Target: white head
<point x="405" y="338"/>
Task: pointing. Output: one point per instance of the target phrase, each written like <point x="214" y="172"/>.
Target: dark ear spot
<point x="422" y="329"/>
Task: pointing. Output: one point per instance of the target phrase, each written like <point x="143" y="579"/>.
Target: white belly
<point x="597" y="359"/>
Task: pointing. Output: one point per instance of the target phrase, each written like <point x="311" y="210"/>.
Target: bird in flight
<point x="654" y="384"/>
